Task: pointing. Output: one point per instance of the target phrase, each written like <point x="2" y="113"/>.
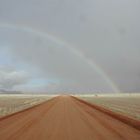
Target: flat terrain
<point x="128" y="105"/>
<point x="65" y="118"/>
<point x="13" y="103"/>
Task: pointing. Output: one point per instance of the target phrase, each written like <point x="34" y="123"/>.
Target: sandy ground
<point x="65" y="118"/>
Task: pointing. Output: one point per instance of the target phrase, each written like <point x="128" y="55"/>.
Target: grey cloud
<point x="9" y="78"/>
<point x="107" y="32"/>
<point x="58" y="62"/>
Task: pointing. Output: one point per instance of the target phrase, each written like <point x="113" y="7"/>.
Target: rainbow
<point x="71" y="48"/>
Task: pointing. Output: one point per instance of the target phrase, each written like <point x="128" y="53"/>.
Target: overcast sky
<point x="70" y="45"/>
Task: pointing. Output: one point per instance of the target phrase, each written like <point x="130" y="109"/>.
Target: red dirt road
<point x="65" y="118"/>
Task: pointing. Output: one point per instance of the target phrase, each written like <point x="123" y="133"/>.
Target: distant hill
<point x="3" y="91"/>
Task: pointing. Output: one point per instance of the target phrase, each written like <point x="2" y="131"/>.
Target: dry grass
<point x="125" y="104"/>
<point x="13" y="103"/>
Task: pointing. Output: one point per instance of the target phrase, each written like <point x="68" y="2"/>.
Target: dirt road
<point x="65" y="118"/>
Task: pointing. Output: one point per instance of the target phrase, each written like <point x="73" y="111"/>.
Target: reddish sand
<point x="65" y="118"/>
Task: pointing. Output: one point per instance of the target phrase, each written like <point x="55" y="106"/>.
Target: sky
<point x="70" y="46"/>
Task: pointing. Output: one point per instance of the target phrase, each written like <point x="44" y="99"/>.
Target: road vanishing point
<point x="65" y="118"/>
